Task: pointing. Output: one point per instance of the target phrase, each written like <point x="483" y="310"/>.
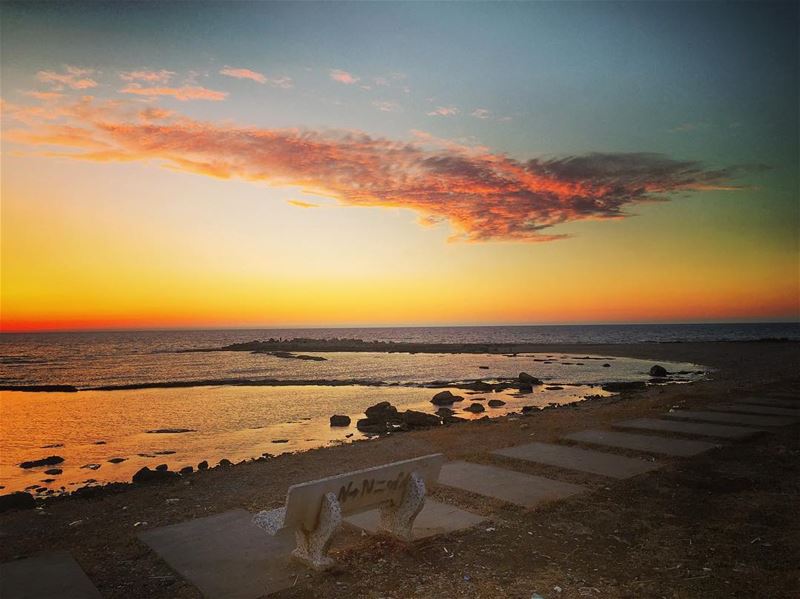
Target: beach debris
<point x="138" y="524"/>
<point x="340" y="420"/>
<point x="475" y="408"/>
<point x="51" y="460"/>
<point x="161" y="431"/>
<point x="202" y="465"/>
<point x="116" y="460"/>
<point x="496" y="403"/>
<point x="19" y="500"/>
<point x="445" y="398"/>
<point x="658" y="371"/>
<point x="557" y="589"/>
<point x="53" y="471"/>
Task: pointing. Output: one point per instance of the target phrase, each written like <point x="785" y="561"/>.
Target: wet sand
<point x="699" y="527"/>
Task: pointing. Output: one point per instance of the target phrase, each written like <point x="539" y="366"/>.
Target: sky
<point x="238" y="164"/>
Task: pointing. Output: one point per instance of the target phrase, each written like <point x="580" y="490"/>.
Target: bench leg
<point x="398" y="520"/>
<point x="312" y="546"/>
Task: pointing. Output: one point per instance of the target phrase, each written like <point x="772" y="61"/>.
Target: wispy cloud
<point x="147" y="76"/>
<point x="483" y="195"/>
<point x="243" y="74"/>
<point x="481" y="113"/>
<point x="72" y="77"/>
<point x="386" y="106"/>
<point x="343" y="76"/>
<point x="301" y="204"/>
<point x="183" y="93"/>
<point x="444" y="111"/>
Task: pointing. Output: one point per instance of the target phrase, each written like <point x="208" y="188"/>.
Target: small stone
<point x="280" y="440"/>
<point x="445" y="398"/>
<point x="340" y="420"/>
<point x="225" y="462"/>
<point x="203" y="465"/>
<point x="53" y="471"/>
<point x="658" y="371"/>
<point x="186" y="470"/>
<point x="475" y="408"/>
<point x="162" y="467"/>
<point x="496" y="403"/>
<point x="117" y="460"/>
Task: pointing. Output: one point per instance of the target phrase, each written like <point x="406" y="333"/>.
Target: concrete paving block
<point x="53" y="575"/>
<point x="728" y="418"/>
<point x="521" y="489"/>
<point x="705" y="429"/>
<point x="583" y="460"/>
<point x="761" y="410"/>
<point x="646" y="443"/>
<point x="227" y="556"/>
<point x="436" y="518"/>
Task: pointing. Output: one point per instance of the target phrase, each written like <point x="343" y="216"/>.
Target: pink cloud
<point x="385" y="106"/>
<point x="483" y="195"/>
<point x="72" y="77"/>
<point x="244" y="74"/>
<point x="183" y="93"/>
<point x="343" y="76"/>
<point x="162" y="76"/>
<point x="444" y="111"/>
<point x="481" y="113"/>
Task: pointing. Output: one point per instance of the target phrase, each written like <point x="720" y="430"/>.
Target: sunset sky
<point x="302" y="164"/>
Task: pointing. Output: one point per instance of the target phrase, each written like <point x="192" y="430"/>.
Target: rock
<point x="51" y="460"/>
<point x="17" y="501"/>
<point x="53" y="446"/>
<point x="164" y="452"/>
<point x="445" y="398"/>
<point x="525" y="389"/>
<point x="453" y="420"/>
<point x="116" y="460"/>
<point x="624" y="386"/>
<point x="160" y="431"/>
<point x="280" y="440"/>
<point x="340" y="420"/>
<point x="145" y="475"/>
<point x="483" y="367"/>
<point x="90" y="467"/>
<point x="162" y="467"/>
<point x="382" y="412"/>
<point x="606" y="365"/>
<point x="225" y="462"/>
<point x="53" y="471"/>
<point x="477" y="386"/>
<point x="529" y="409"/>
<point x="658" y="371"/>
<point x="475" y="408"/>
<point x="554" y="387"/>
<point x="186" y="470"/>
<point x="367" y="425"/>
<point x="496" y="403"/>
<point x="203" y="465"/>
<point x="413" y="419"/>
<point x="527" y="379"/>
<point x="99" y="442"/>
<point x="444" y="412"/>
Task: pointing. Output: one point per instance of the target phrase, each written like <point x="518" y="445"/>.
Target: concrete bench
<point x="314" y="509"/>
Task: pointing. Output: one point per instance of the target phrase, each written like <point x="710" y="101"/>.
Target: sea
<point x="107" y="435"/>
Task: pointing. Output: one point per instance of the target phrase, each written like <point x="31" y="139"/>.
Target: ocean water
<point x="90" y="427"/>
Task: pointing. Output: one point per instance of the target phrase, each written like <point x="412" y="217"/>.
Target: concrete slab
<point x="647" y="443"/>
<point x="750" y="409"/>
<point x="521" y="489"/>
<point x="583" y="460"/>
<point x="727" y="418"/>
<point x="436" y="518"/>
<point x="48" y="576"/>
<point x="705" y="429"/>
<point x="226" y="556"/>
<point x="770" y="401"/>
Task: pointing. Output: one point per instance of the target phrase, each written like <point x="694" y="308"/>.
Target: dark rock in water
<point x="53" y="471"/>
<point x="483" y="367"/>
<point x="280" y="440"/>
<point x="99" y="442"/>
<point x="554" y="388"/>
<point x="496" y="403"/>
<point x="159" y="431"/>
<point x="145" y="475"/>
<point x="658" y="371"/>
<point x="162" y="467"/>
<point x="51" y="460"/>
<point x="116" y="460"/>
<point x="47" y="480"/>
<point x="475" y="408"/>
<point x="413" y="418"/>
<point x="165" y="452"/>
<point x="527" y="379"/>
<point x="203" y="465"/>
<point x="444" y="412"/>
<point x="53" y="446"/>
<point x="186" y="470"/>
<point x="340" y="420"/>
<point x="477" y="386"/>
<point x="624" y="386"/>
<point x="17" y="501"/>
<point x="225" y="462"/>
<point x="529" y="409"/>
<point x="445" y="398"/>
<point x="374" y="427"/>
<point x="348" y="435"/>
<point x="453" y="420"/>
<point x="525" y="389"/>
<point x="606" y="365"/>
<point x="382" y="412"/>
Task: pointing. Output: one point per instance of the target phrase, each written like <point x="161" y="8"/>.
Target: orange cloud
<point x="243" y="74"/>
<point x="162" y="76"/>
<point x="483" y="195"/>
<point x="184" y="93"/>
<point x="343" y="76"/>
<point x="301" y="204"/>
<point x="72" y="77"/>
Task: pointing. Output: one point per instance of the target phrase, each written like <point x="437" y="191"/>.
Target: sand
<point x="717" y="525"/>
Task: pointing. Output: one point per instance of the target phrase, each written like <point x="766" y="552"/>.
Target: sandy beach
<point x="721" y="524"/>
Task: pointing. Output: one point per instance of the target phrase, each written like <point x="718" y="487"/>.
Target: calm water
<point x="237" y="422"/>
